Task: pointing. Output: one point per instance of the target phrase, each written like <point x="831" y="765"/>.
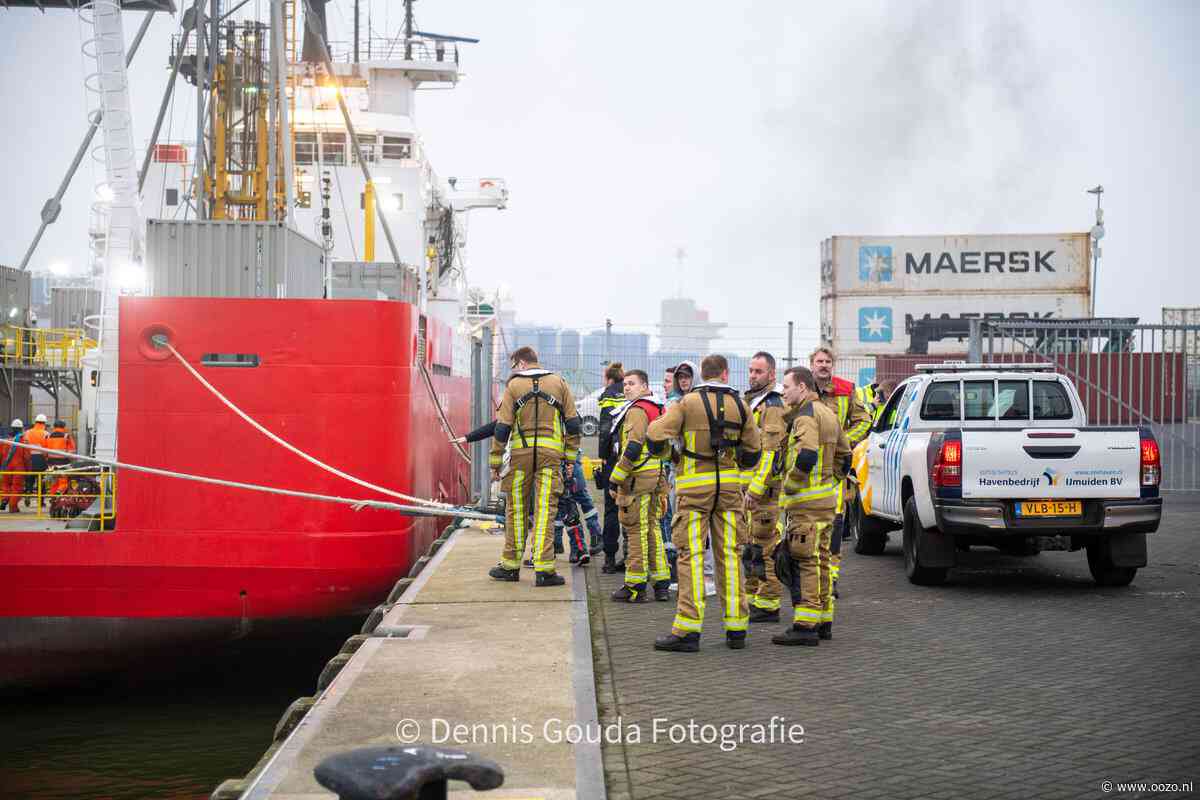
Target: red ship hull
<point x="190" y="562"/>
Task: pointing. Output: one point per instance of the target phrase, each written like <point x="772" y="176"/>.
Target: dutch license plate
<point x="1049" y="508"/>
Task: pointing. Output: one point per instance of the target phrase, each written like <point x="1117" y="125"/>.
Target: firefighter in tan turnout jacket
<point x="538" y="424"/>
<point x="762" y="501"/>
<point x="839" y="396"/>
<point x="638" y="482"/>
<point x="719" y="441"/>
<point x="817" y="460"/>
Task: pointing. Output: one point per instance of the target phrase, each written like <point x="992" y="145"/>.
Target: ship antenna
<point x="408" y="29"/>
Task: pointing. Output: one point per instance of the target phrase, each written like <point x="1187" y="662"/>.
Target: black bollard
<point x="413" y="772"/>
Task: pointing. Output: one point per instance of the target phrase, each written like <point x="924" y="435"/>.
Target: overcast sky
<point x="743" y="133"/>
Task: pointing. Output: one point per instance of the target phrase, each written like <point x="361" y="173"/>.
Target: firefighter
<point x="538" y="423"/>
<point x="637" y="482"/>
<point x="838" y="395"/>
<point x="762" y="499"/>
<point x="719" y="440"/>
<point x="59" y="440"/>
<point x="610" y="399"/>
<point x="14" y="462"/>
<point x="817" y="459"/>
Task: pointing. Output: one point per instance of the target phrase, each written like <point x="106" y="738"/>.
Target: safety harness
<point x="758" y="404"/>
<point x="653" y="410"/>
<point x="718" y="427"/>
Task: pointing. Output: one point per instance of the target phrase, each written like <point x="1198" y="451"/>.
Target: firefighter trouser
<point x="531" y="508"/>
<point x="647" y="559"/>
<point x="808" y="533"/>
<point x="845" y="493"/>
<point x="764" y="593"/>
<point x="689" y="531"/>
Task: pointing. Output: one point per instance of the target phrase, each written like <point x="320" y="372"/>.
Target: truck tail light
<point x="1151" y="463"/>
<point x="947" y="468"/>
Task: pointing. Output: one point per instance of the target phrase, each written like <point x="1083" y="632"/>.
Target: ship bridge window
<point x="229" y="360"/>
<point x="397" y="147"/>
<point x="306" y="148"/>
<point x="333" y="148"/>
<point x="366" y="142"/>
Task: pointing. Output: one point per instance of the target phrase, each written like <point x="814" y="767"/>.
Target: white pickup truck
<point x="1001" y="455"/>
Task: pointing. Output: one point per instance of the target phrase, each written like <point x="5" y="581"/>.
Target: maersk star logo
<point x="866" y="376"/>
<point x="875" y="324"/>
<point x="875" y="263"/>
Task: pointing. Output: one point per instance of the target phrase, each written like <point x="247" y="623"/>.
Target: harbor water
<point x="174" y="733"/>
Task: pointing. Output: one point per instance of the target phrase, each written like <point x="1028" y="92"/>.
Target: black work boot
<point x="825" y="631"/>
<point x="762" y="615"/>
<point x="690" y="643"/>
<point x="662" y="590"/>
<point x="796" y="635"/>
<point x="550" y="579"/>
<point x="630" y="594"/>
<point x="503" y="573"/>
<point x="609" y="567"/>
<point x="735" y="640"/>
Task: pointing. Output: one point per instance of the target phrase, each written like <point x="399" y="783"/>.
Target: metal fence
<point x="1126" y="374"/>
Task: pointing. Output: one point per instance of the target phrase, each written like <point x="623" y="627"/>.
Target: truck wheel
<point x="869" y="540"/>
<point x="922" y="576"/>
<point x="1104" y="572"/>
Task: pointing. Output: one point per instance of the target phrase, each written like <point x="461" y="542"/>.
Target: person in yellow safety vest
<point x="720" y="440"/>
<point x="762" y="498"/>
<point x="874" y="396"/>
<point x="537" y="411"/>
<point x="637" y="482"/>
<point x="817" y="460"/>
<point x="838" y="395"/>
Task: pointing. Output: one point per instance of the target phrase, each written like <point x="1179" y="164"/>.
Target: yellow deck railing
<point x="59" y="494"/>
<point x="55" y="348"/>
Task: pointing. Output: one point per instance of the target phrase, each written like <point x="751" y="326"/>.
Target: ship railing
<point x="60" y="494"/>
<point x="43" y="348"/>
<point x="380" y="48"/>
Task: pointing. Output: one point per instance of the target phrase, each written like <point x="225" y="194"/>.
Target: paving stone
<point x="1019" y="678"/>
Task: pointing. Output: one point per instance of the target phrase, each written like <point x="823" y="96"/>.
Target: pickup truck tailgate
<point x="1052" y="464"/>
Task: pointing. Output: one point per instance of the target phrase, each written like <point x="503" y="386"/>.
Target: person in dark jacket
<point x="612" y="398"/>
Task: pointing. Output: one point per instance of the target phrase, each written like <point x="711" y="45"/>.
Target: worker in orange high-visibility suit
<point x="59" y="440"/>
<point x="37" y="436"/>
<point x="14" y="462"/>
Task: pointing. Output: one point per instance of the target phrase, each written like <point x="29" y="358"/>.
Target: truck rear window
<point x="941" y="401"/>
<point x="978" y="400"/>
<point x="1050" y="401"/>
<point x="1012" y="400"/>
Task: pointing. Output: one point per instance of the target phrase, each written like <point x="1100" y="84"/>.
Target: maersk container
<point x="227" y="258"/>
<point x="873" y="287"/>
<point x="882" y="324"/>
<point x="991" y="264"/>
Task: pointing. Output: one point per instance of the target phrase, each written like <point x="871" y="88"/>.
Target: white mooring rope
<point x="287" y="445"/>
<point x="357" y="505"/>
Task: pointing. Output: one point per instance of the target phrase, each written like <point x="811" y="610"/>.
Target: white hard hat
<point x="16" y="423"/>
<point x="40" y="418"/>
